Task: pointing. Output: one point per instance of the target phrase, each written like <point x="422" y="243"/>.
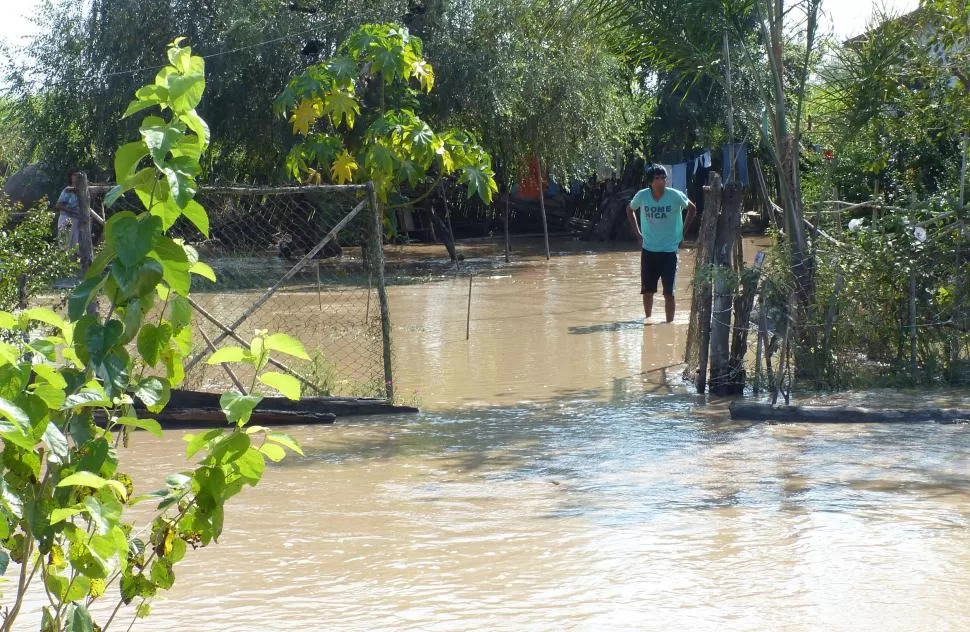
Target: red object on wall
<point x="529" y="186"/>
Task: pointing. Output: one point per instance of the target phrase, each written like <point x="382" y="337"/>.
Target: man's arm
<point x="632" y="216"/>
<point x="691" y="213"/>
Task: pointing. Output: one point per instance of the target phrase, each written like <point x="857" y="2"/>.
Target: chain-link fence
<point x="305" y="261"/>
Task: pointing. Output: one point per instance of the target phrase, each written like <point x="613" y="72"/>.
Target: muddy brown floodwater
<point x="561" y="477"/>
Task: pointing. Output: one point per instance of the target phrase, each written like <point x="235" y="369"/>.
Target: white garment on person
<point x="68" y="231"/>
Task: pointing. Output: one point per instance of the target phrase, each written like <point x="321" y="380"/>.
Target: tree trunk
<point x="728" y="227"/>
<point x="701" y="304"/>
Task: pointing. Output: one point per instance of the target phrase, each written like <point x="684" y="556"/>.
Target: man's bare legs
<point x="647" y="304"/>
<point x="669" y="305"/>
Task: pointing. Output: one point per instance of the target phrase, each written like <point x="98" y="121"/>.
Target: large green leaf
<point x="83" y="294"/>
<point x="150" y="425"/>
<point x="131" y="236"/>
<point x="89" y="479"/>
<point x="160" y="137"/>
<point x="196" y="214"/>
<point x="196" y="443"/>
<point x="127" y="158"/>
<point x="175" y="265"/>
<point x="14" y="413"/>
<point x="181" y="172"/>
<point x="134" y="281"/>
<point x="228" y="354"/>
<point x="154" y="392"/>
<point x="44" y="315"/>
<point x="288" y="385"/>
<point x="284" y="440"/>
<point x="152" y="339"/>
<point x="56" y="443"/>
<point x="284" y="343"/>
<point x="198" y="125"/>
<point x="238" y="408"/>
<point x="185" y="89"/>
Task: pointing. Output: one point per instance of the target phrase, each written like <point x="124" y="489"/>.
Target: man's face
<point x="659" y="182"/>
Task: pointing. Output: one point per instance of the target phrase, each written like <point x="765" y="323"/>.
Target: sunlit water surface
<point x="564" y="478"/>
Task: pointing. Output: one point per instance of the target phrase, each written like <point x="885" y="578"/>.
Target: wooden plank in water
<point x="339" y="406"/>
<point x="753" y="411"/>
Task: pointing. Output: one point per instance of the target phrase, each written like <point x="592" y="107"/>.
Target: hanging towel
<point x="702" y="161"/>
<point x="678" y="177"/>
<point x="740" y="159"/>
<point x="670" y="172"/>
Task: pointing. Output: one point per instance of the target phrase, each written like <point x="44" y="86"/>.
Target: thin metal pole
<point x="319" y="294"/>
<point x="468" y="317"/>
<point x="370" y="280"/>
<point x="542" y="204"/>
<point x="378" y="237"/>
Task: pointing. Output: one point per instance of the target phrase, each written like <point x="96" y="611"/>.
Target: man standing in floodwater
<point x="662" y="225"/>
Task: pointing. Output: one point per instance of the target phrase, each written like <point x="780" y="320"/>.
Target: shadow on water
<point x="607" y="327"/>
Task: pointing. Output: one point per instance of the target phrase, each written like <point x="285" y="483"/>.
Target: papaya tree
<point x="356" y="118"/>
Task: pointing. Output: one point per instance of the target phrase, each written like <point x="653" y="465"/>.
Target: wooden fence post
<point x="85" y="243"/>
<point x="702" y="283"/>
<point x="378" y="237"/>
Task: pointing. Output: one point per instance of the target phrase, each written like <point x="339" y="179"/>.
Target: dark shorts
<point x="656" y="266"/>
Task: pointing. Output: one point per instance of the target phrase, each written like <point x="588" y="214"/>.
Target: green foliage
<point x="361" y="105"/>
<point x="890" y="113"/>
<point x="28" y="251"/>
<point x="72" y="391"/>
<point x="530" y="81"/>
<point x="73" y="76"/>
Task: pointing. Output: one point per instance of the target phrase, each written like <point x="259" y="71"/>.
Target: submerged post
<point x="378" y="243"/>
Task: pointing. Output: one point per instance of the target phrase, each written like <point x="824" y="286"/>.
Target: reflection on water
<point x="541" y="330"/>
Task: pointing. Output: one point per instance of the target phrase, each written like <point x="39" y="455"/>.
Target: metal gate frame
<point x="230" y="331"/>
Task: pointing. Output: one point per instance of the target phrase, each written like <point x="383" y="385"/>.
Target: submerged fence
<point x="305" y="261"/>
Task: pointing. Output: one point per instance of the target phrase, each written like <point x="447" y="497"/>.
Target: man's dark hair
<point x="654" y="170"/>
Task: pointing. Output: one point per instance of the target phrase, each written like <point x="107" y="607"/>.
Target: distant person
<point x="69" y="214"/>
<point x="661" y="229"/>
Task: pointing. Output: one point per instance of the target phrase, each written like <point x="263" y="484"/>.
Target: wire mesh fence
<point x="305" y="261"/>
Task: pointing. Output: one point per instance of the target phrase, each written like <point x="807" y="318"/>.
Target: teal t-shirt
<point x="661" y="221"/>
